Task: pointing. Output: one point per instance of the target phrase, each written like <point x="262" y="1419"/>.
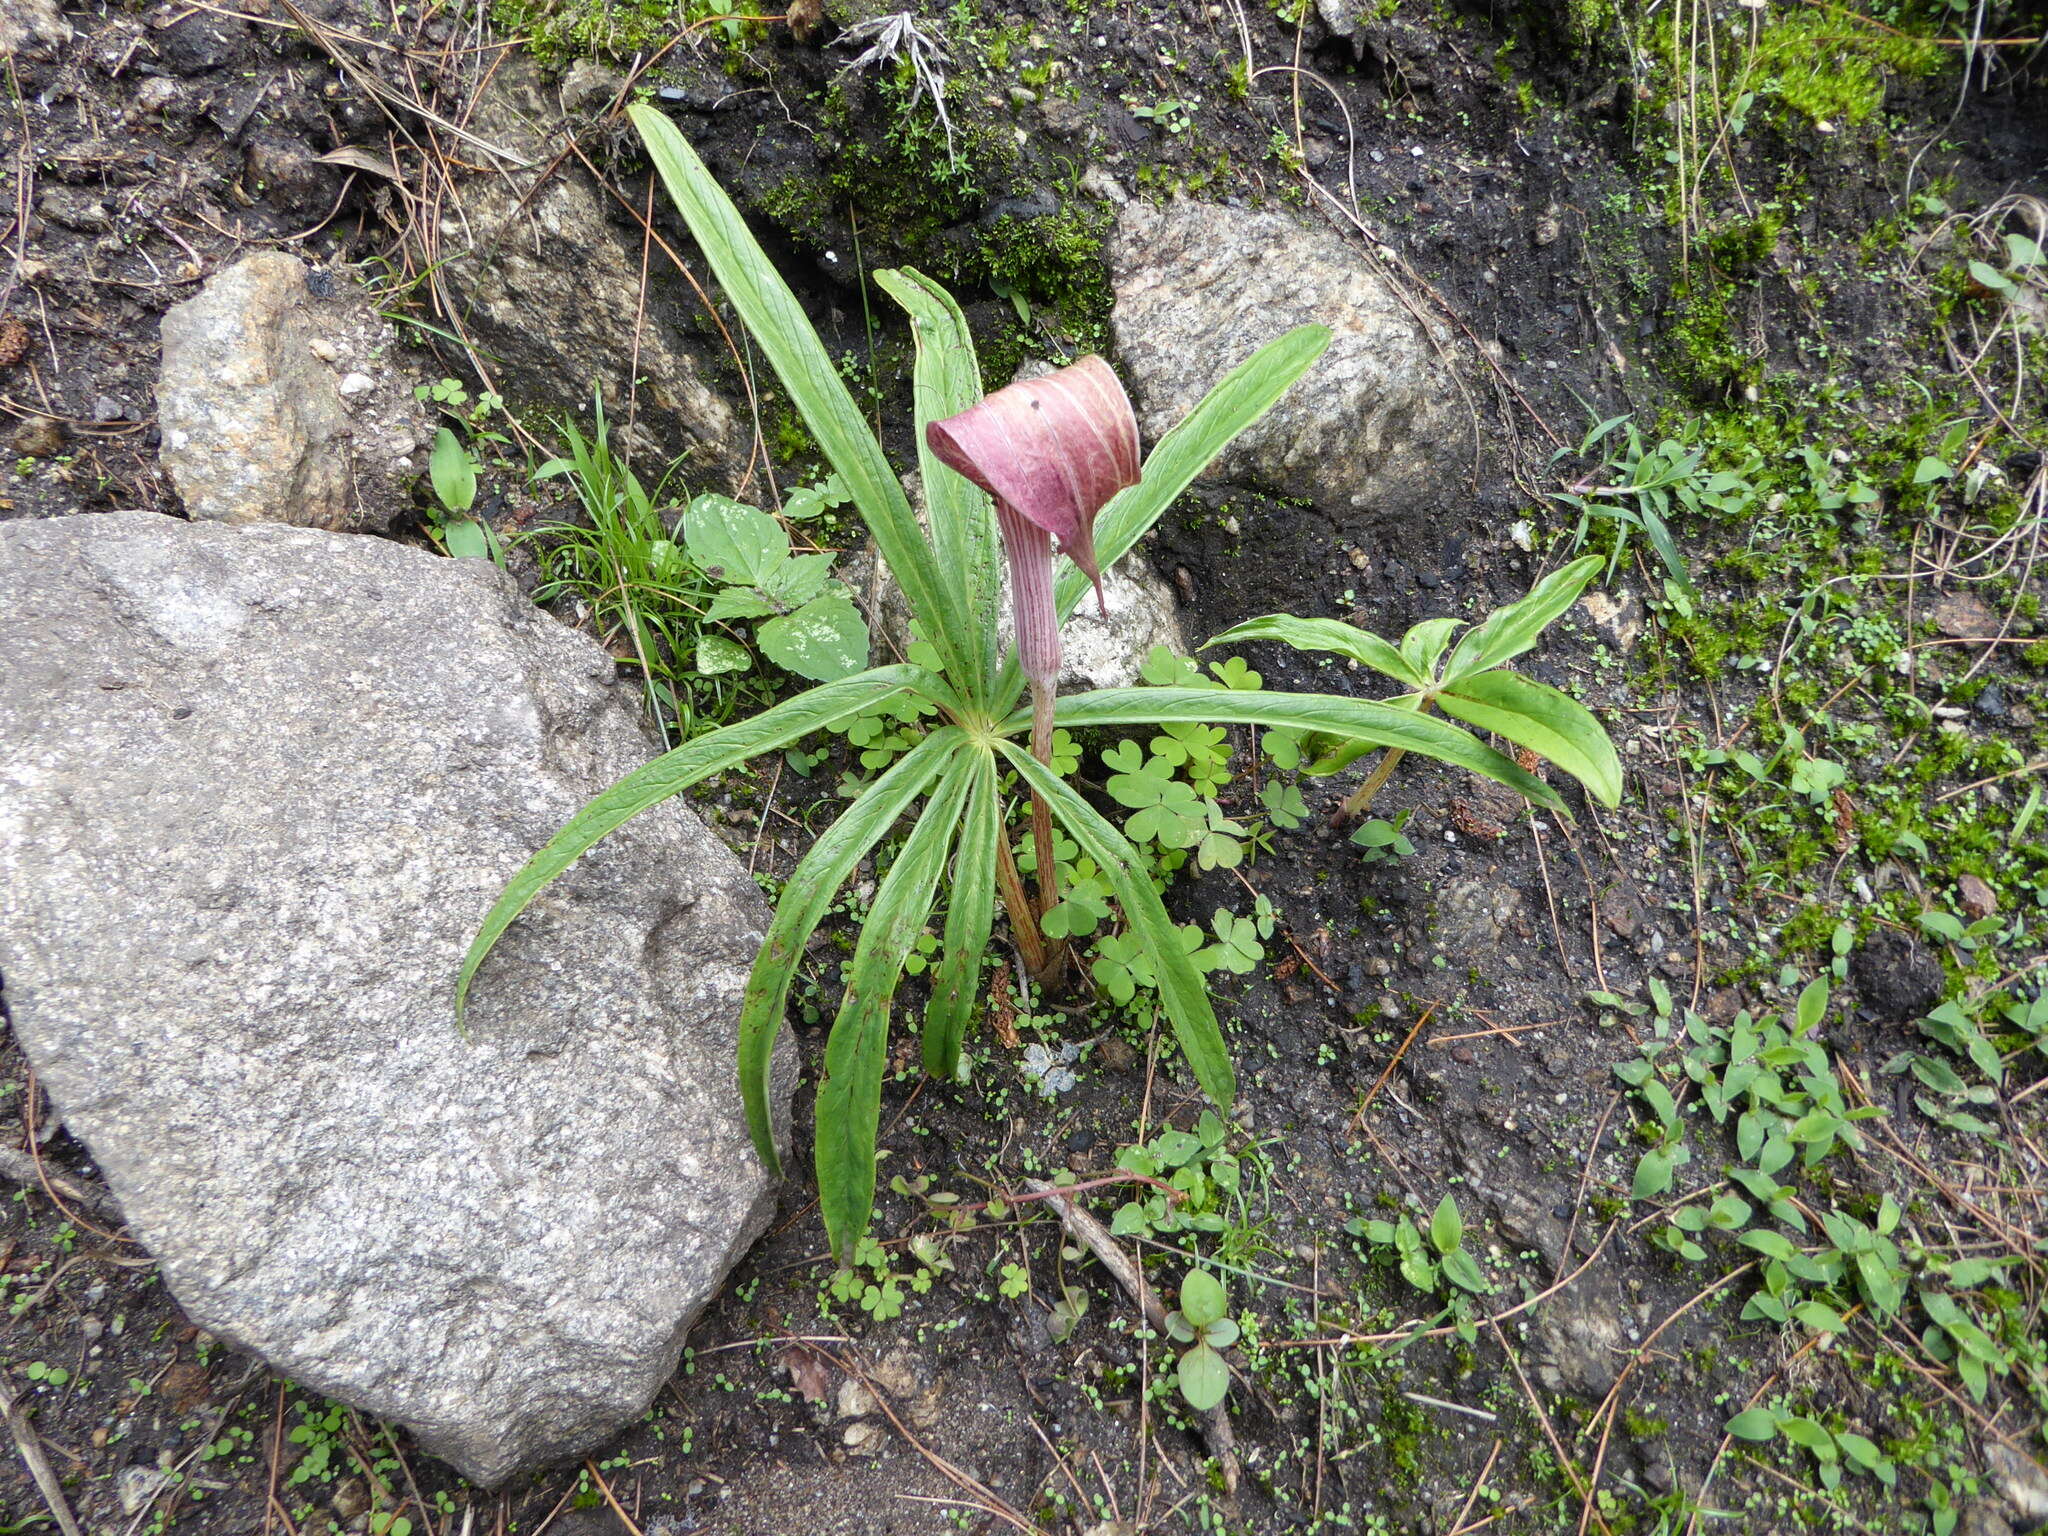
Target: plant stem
<point x="1361" y="799"/>
<point x="1041" y="835"/>
<point x="1023" y="916"/>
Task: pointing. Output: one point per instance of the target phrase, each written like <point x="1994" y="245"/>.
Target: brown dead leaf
<point x="1002" y="1010"/>
<point x="1979" y="900"/>
<point x="804" y="17"/>
<point x="808" y="1372"/>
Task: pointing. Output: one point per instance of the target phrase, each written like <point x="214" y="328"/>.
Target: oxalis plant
<point x="1006" y="476"/>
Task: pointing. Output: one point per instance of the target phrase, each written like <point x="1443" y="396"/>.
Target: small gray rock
<point x="2021" y="1481"/>
<point x="78" y="209"/>
<point x="257" y="788"/>
<point x="1579" y="1338"/>
<point x="589" y="87"/>
<point x="1617" y="618"/>
<point x="257" y="426"/>
<point x="33" y="28"/>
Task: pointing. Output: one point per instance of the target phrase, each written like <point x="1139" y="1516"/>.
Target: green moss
<point x="1829" y="65"/>
<point x="1707" y="352"/>
<point x="558" y="31"/>
<point x="1740" y="246"/>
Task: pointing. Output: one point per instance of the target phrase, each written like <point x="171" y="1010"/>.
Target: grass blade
<point x="970" y="913"/>
<point x="1356" y="719"/>
<point x="1181" y="987"/>
<point x="945" y="381"/>
<point x="850" y="1098"/>
<point x="805" y="900"/>
<point x="799" y="359"/>
<point x="1548" y="723"/>
<point x="669" y="774"/>
<point x="1240" y="398"/>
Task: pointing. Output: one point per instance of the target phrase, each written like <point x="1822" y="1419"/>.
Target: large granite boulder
<point x="1375" y="425"/>
<point x="257" y="787"/>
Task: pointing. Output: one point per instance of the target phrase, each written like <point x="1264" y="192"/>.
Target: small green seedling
<point x="452" y="471"/>
<point x="1204" y="1375"/>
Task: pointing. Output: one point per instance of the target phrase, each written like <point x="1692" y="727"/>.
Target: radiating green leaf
<point x="1360" y="645"/>
<point x="1358" y="719"/>
<point x="850" y="1098"/>
<point x="787" y="340"/>
<point x="946" y="380"/>
<point x="1507" y="632"/>
<point x="1423" y="646"/>
<point x="672" y="773"/>
<point x="970" y="913"/>
<point x="805" y="899"/>
<point x="1547" y="722"/>
<point x="1181" y="987"/>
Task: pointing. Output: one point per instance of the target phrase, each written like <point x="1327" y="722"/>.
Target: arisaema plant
<point x="1053" y="459"/>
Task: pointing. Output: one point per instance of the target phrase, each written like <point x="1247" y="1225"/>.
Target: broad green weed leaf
<point x="733" y="542"/>
<point x="1547" y="722"/>
<point x="1365" y="720"/>
<point x="1349" y="640"/>
<point x="452" y="471"/>
<point x="1204" y="1378"/>
<point x="1507" y="632"/>
<point x="824" y="640"/>
<point x="1202" y="1298"/>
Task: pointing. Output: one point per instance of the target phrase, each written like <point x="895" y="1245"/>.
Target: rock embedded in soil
<point x="258" y="785"/>
<point x="1375" y="425"/>
<point x="279" y="403"/>
<point x="550" y="291"/>
<point x="35" y="28"/>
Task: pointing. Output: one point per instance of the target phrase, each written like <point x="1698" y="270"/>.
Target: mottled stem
<point x="1361" y="799"/>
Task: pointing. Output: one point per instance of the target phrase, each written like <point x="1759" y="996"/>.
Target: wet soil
<point x="1416" y="1027"/>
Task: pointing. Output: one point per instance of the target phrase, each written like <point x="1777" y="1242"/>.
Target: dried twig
<point x="1094" y="1236"/>
<point x="31" y="1447"/>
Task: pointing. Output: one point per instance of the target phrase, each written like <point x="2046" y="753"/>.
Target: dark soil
<point x="1417" y="1027"/>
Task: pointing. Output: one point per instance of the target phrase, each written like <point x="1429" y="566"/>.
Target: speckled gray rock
<point x="257" y="787"/>
<point x="1374" y="425"/>
<point x="279" y="403"/>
